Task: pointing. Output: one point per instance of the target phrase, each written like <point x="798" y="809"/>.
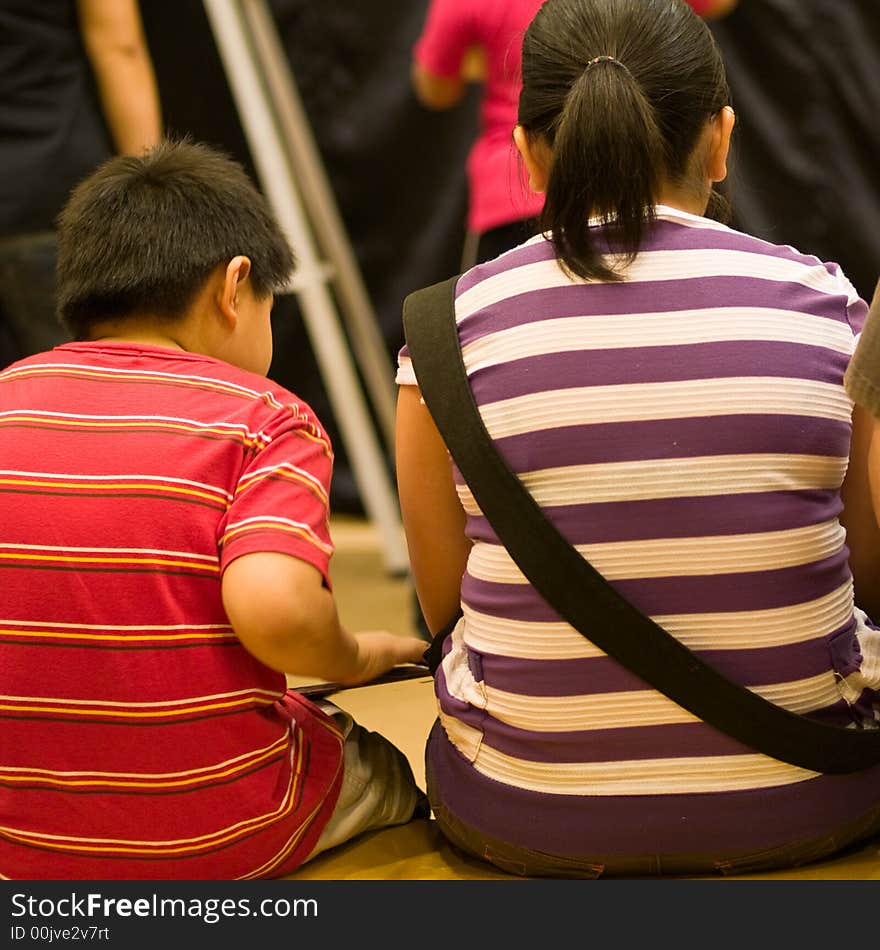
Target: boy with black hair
<point x="164" y="558"/>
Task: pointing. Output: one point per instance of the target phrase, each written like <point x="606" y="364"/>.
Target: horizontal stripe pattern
<point x="744" y="629"/>
<point x="687" y="431"/>
<point x="156" y="746"/>
<point x="141" y="782"/>
<point x="755" y="667"/>
<point x="169" y="847"/>
<point x="299" y="475"/>
<point x="723" y="325"/>
<point x="259" y="524"/>
<point x="704" y="475"/>
<point x="651" y="267"/>
<point x="639" y="707"/>
<point x="115" y="559"/>
<point x="628" y="300"/>
<point x="146" y="636"/>
<point x="594" y="404"/>
<point x="192" y="707"/>
<point x="700" y="775"/>
<point x="123" y="484"/>
<point x="113" y="375"/>
<point x="83" y="422"/>
<point x="663" y="557"/>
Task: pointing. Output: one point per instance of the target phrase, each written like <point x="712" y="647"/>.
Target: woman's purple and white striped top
<point x="688" y="430"/>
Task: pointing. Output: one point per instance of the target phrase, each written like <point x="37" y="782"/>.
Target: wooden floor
<point x="370" y="597"/>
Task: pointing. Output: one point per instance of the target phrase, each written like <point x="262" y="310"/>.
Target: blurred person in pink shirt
<point x="463" y="42"/>
<point x="713" y="9"/>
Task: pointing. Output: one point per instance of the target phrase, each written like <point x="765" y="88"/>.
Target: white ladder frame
<point x="293" y="179"/>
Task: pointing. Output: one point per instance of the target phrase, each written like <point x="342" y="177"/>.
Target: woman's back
<point x="671" y="392"/>
<point x="688" y="430"/>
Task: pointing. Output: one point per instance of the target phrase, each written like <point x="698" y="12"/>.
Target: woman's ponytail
<point x="621" y="91"/>
<point x="608" y="157"/>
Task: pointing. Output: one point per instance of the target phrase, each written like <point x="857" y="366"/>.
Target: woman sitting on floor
<point x="671" y="393"/>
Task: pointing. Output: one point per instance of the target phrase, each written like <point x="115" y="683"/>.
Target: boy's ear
<point x="237" y="271"/>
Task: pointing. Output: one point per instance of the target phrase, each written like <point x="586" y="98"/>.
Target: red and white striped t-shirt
<point x="139" y="738"/>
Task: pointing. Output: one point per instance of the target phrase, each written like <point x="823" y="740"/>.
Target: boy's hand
<point x="379" y="650"/>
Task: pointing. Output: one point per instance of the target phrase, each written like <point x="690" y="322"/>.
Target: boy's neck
<point x="134" y="330"/>
<point x="167" y="342"/>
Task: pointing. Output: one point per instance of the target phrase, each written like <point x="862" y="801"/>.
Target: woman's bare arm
<point x="861" y="504"/>
<point x="433" y="518"/>
<point x="113" y="37"/>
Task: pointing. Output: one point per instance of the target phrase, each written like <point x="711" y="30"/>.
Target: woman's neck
<point x="684" y="199"/>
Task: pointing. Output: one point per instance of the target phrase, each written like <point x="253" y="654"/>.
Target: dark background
<point x="805" y="170"/>
<point x="805" y="78"/>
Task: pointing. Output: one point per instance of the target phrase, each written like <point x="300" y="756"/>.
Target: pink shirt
<point x="701" y="6"/>
<point x="499" y="191"/>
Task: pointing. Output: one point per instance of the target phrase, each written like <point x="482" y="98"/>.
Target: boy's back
<point x="131" y="474"/>
<point x="164" y="557"/>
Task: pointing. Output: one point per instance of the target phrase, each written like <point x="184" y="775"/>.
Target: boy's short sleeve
<point x="447" y="35"/>
<point x="281" y="500"/>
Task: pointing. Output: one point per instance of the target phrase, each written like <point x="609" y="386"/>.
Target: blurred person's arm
<point x="443" y="92"/>
<point x="861" y="505"/>
<point x="446" y="55"/>
<point x="437" y="92"/>
<point x="113" y="37"/>
<point x="433" y="519"/>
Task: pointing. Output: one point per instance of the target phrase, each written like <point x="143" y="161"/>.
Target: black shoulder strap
<point x="578" y="592"/>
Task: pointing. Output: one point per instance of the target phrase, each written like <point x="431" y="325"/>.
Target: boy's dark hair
<point x="142" y="234"/>
<point x="621" y="90"/>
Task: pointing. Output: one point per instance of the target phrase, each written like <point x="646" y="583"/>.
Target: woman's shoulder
<point x="755" y="255"/>
<point x="537" y="250"/>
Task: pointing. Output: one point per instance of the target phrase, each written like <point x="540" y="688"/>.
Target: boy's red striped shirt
<point x="140" y="739"/>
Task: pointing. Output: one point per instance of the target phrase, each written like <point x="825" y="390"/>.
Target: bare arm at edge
<point x="861" y="504"/>
<point x="433" y="519"/>
<point x="113" y="37"/>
